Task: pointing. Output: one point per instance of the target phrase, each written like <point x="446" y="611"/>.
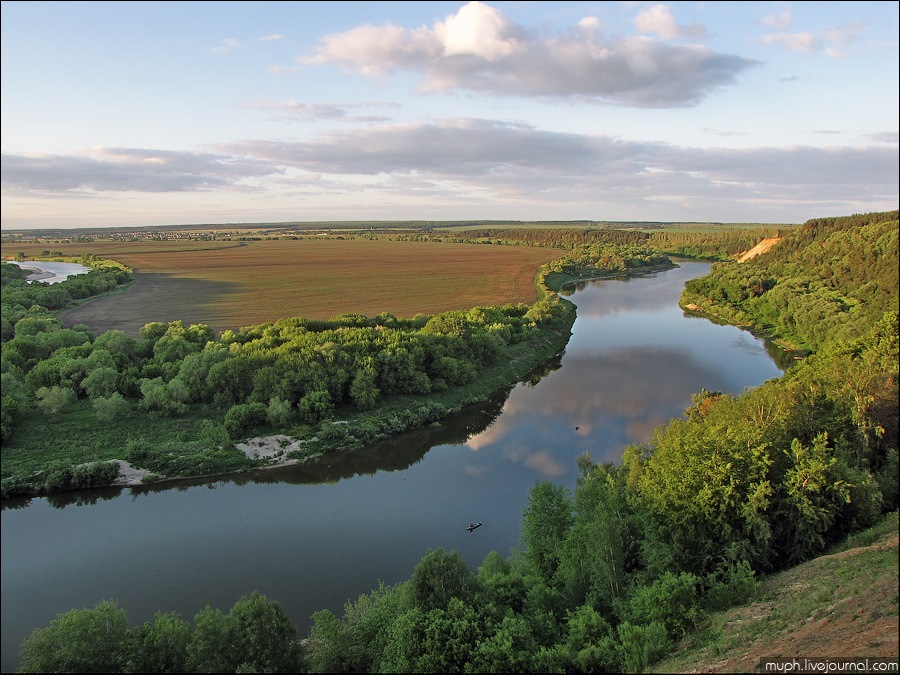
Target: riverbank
<point x="151" y="448"/>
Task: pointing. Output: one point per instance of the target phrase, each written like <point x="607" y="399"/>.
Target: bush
<point x="672" y="600"/>
<point x="731" y="584"/>
<point x="109" y="409"/>
<point x="639" y="646"/>
<point x="244" y="416"/>
<point x="95" y="474"/>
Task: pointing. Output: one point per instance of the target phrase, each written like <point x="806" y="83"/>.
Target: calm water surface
<point x="314" y="537"/>
<point x="51" y="272"/>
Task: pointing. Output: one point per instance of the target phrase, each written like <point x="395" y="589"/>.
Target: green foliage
<point x="262" y="637"/>
<point x="110" y="408"/>
<point x="280" y="413"/>
<point x="889" y="480"/>
<point x="672" y="600"/>
<point x="163" y="398"/>
<point x="240" y="418"/>
<point x="326" y="644"/>
<point x="591" y="644"/>
<point x="732" y="583"/>
<point x="639" y="646"/>
<point x="160" y="646"/>
<point x="545" y="525"/>
<point x="439" y="577"/>
<point x="315" y="407"/>
<point x="100" y="382"/>
<point x="599" y="545"/>
<point x="79" y="641"/>
<point x="209" y="650"/>
<point x="255" y="636"/>
<point x="830" y="279"/>
<point x="814" y="492"/>
<point x="54" y="400"/>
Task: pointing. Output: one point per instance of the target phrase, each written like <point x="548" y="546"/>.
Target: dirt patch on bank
<point x="270" y="447"/>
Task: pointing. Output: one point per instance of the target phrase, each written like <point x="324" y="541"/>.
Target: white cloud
<point x="377" y="50"/>
<point x="480" y="50"/>
<point x="478" y="30"/>
<point x="271" y="38"/>
<point x="129" y="170"/>
<point x="884" y="137"/>
<point x="226" y="45"/>
<point x="658" y="19"/>
<point x="795" y="42"/>
<point x="778" y="22"/>
<point x="835" y="42"/>
<point x="842" y="38"/>
<point x="320" y="111"/>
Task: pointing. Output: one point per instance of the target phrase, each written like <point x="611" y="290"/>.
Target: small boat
<point x="473" y="526"/>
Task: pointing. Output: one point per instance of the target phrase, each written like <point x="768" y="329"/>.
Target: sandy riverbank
<point x="271" y="448"/>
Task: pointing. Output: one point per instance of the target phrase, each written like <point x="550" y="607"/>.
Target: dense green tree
<point x="280" y="413"/>
<point x="262" y="637"/>
<point x="167" y="399"/>
<point x="545" y="525"/>
<point x="240" y="418"/>
<point x="160" y="646"/>
<point x="363" y="390"/>
<point x="590" y="644"/>
<point x="315" y="407"/>
<point x="439" y="577"/>
<point x="210" y="649"/>
<point x="100" y="382"/>
<point x="119" y="344"/>
<point x="79" y="641"/>
<point x="672" y="600"/>
<point x="593" y="558"/>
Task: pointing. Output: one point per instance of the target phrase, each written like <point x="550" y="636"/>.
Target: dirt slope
<point x="759" y="249"/>
<point x="842" y="605"/>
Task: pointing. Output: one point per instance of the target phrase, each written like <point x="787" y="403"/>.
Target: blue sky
<point x="150" y="113"/>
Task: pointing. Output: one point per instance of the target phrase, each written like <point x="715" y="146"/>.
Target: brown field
<point x="235" y="284"/>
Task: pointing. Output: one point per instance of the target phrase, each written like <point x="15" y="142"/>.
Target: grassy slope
<point x="843" y="604"/>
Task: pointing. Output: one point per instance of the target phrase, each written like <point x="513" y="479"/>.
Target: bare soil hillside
<point x="762" y="247"/>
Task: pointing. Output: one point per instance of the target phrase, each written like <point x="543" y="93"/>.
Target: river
<point x="315" y="537"/>
<point x="50" y="272"/>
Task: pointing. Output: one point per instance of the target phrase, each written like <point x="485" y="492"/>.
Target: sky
<point x="130" y="114"/>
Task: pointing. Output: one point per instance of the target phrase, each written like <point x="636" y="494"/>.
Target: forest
<point x="611" y="575"/>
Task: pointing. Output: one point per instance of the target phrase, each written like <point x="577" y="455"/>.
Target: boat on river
<point x="473" y="526"/>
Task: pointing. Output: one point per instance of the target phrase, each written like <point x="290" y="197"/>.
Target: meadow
<point x="231" y="284"/>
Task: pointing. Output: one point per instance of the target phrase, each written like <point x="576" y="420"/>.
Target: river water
<point x="314" y="537"/>
<point x="50" y="272"/>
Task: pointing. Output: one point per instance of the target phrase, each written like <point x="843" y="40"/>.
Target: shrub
<point x="244" y="416"/>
